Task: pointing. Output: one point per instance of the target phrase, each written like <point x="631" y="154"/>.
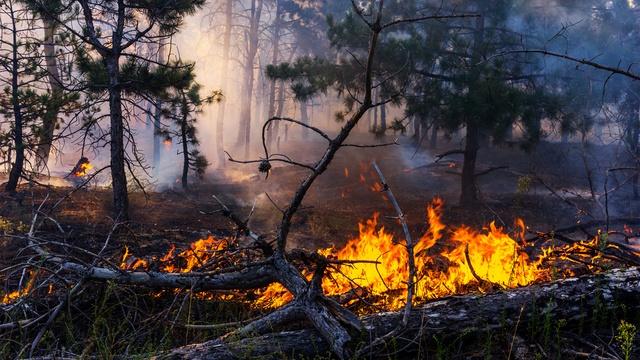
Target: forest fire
<point x="484" y="261"/>
<point x="495" y="257"/>
<point x="81" y="168"/>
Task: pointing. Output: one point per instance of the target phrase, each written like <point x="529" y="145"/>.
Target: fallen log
<point x="449" y="317"/>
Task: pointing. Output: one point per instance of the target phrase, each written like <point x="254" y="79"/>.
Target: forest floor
<point x="342" y="197"/>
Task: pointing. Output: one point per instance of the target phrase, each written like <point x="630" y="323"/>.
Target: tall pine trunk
<point x="50" y="119"/>
<point x="118" y="175"/>
<point x="185" y="142"/>
<point x="157" y="139"/>
<point x="434" y="135"/>
<point x="273" y="128"/>
<point x="244" y="132"/>
<point x="468" y="194"/>
<point x="416" y="131"/>
<point x="16" y="168"/>
<point x="224" y="67"/>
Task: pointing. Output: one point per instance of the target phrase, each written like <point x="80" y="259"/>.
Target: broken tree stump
<point x="451" y="316"/>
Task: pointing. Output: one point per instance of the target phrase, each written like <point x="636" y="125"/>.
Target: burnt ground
<point x="339" y="199"/>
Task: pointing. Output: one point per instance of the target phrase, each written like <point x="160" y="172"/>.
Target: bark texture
<point x="50" y="120"/>
<point x="224" y="68"/>
<point x="452" y="316"/>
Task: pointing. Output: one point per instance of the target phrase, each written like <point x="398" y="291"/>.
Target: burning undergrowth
<point x="449" y="260"/>
<point x="491" y="259"/>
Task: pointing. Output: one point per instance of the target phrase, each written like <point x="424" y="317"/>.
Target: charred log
<point x="570" y="299"/>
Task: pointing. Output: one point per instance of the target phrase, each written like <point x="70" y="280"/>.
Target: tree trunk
<point x="157" y="139"/>
<point x="224" y="68"/>
<point x="375" y="111"/>
<point x="244" y="131"/>
<point x="50" y="119"/>
<point x="16" y="168"/>
<point x="417" y="134"/>
<point x="383" y="120"/>
<point x="185" y="142"/>
<point x="468" y="193"/>
<point x="466" y="315"/>
<point x="118" y="174"/>
<point x="633" y="126"/>
<point x="434" y="135"/>
<point x="273" y="128"/>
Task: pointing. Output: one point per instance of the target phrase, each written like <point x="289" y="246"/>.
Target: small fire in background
<point x="81" y="168"/>
<point x="167" y="144"/>
<point x="452" y="165"/>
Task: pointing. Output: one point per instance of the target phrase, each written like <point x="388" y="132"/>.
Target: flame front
<point x="495" y="257"/>
<point x="490" y="259"/>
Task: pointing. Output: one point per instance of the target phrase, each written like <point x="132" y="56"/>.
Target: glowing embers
<point x="201" y="254"/>
<point x="81" y="168"/>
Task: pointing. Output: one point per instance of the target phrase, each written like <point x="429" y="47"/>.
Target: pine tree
<point x="108" y="62"/>
<point x="184" y="104"/>
<point x="25" y="101"/>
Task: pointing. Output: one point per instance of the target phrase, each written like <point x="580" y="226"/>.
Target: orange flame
<point x="81" y="170"/>
<point x="452" y="165"/>
<point x="346" y="172"/>
<point x="490" y="259"/>
<point x="167" y="144"/>
<point x="197" y="255"/>
<point x="495" y="258"/>
<point x="21" y="292"/>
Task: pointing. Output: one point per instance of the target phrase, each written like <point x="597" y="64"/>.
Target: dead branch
<point x="568" y="201"/>
<point x="412" y="273"/>
<point x="450" y="316"/>
<point x="493" y="168"/>
<point x="450" y="152"/>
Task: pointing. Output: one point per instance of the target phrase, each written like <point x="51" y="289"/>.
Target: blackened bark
<point x="468" y="193"/>
<point x="185" y="142"/>
<point x="633" y="131"/>
<point x="383" y="120"/>
<point x="417" y="134"/>
<point x="16" y="168"/>
<point x="224" y="67"/>
<point x="452" y="316"/>
<point x="118" y="175"/>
